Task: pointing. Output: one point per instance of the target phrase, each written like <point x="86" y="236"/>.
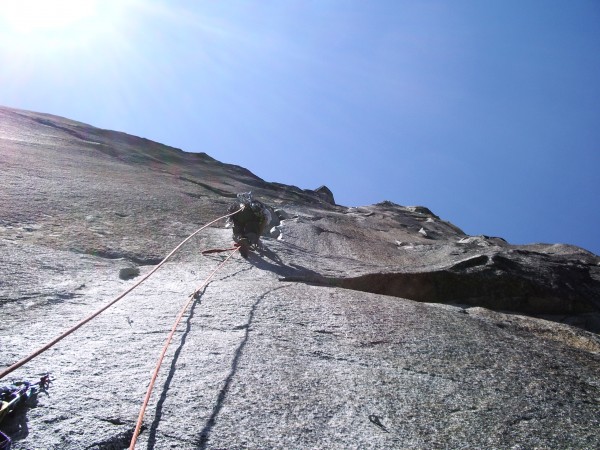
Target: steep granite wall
<point x="379" y="326"/>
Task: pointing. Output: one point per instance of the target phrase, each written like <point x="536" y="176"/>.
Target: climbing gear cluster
<point x="18" y="393"/>
<point x="15" y="395"/>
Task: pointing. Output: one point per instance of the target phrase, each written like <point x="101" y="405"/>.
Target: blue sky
<point x="487" y="112"/>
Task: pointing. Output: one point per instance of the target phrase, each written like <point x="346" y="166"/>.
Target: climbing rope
<point x="25" y="360"/>
<point x="192" y="296"/>
<point x="220" y="250"/>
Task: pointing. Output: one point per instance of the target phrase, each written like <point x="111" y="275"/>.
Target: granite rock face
<point x="326" y="194"/>
<point x="380" y="326"/>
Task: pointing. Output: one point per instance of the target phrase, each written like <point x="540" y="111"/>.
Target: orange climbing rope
<point x="25" y="360"/>
<point x="138" y="426"/>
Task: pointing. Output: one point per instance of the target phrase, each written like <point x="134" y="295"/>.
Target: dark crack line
<point x="167" y="385"/>
<point x="237" y="272"/>
<point x="203" y="438"/>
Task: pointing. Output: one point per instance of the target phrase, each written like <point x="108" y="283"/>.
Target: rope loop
<point x="59" y="338"/>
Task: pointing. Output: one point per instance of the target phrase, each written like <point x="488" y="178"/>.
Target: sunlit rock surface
<point x="379" y="326"/>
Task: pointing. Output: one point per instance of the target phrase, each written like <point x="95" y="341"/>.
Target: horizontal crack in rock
<point x="504" y="291"/>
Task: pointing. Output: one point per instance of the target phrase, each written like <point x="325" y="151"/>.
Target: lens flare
<point x="33" y="16"/>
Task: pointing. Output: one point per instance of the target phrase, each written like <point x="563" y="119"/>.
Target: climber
<point x="249" y="223"/>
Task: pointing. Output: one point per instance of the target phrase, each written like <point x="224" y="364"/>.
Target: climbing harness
<point x="193" y="296"/>
<point x="25" y="360"/>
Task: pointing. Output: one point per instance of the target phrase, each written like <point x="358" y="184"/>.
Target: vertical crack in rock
<point x="172" y="369"/>
<point x="204" y="435"/>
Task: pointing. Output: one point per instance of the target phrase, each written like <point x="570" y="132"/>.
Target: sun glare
<point x="33" y="16"/>
<point x="51" y="28"/>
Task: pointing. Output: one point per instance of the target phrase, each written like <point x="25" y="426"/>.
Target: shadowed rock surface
<point x="380" y="326"/>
